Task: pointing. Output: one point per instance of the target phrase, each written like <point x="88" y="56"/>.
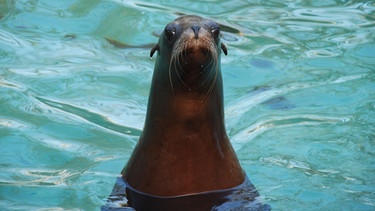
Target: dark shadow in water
<point x="279" y="103"/>
<point x="242" y="197"/>
<point x="119" y="44"/>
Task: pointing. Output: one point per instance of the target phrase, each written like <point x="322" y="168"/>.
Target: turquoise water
<point x="299" y="97"/>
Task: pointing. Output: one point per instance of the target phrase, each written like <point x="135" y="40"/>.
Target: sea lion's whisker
<point x="206" y="69"/>
<point x="170" y="76"/>
<point x="179" y="76"/>
<point x="184" y="53"/>
<point x="213" y="82"/>
<point x="175" y="61"/>
<point x="213" y="62"/>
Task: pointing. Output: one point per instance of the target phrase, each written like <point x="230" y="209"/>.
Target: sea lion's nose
<point x="196" y="30"/>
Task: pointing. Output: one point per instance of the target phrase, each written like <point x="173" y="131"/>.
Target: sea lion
<point x="184" y="149"/>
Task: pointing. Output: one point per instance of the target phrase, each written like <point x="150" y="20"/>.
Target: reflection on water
<point x="299" y="97"/>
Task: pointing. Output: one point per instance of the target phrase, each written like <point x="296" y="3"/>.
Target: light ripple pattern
<point x="299" y="84"/>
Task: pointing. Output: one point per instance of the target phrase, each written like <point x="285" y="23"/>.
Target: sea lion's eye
<point x="170" y="33"/>
<point x="215" y="32"/>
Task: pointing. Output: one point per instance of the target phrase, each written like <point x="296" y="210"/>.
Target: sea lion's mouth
<point x="196" y="56"/>
<point x="194" y="61"/>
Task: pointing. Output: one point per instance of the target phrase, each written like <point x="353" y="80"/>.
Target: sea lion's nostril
<point x="196" y="31"/>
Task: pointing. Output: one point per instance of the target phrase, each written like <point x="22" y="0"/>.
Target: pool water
<point x="299" y="83"/>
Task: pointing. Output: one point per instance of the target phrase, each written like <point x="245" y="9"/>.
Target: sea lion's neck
<point x="185" y="110"/>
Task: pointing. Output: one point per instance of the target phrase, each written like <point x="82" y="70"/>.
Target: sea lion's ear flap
<point x="156" y="48"/>
<point x="224" y="48"/>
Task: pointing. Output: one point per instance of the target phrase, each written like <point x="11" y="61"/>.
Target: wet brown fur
<point x="184" y="147"/>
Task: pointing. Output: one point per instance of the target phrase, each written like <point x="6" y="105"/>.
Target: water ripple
<point x="273" y="122"/>
<point x="72" y="104"/>
<point x="91" y="117"/>
<point x="37" y="177"/>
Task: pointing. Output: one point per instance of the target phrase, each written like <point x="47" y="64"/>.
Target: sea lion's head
<point x="191" y="47"/>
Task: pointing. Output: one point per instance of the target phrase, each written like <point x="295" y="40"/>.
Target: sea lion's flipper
<point x="224" y="48"/>
<point x="156" y="48"/>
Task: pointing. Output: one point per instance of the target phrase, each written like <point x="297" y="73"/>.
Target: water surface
<point x="299" y="88"/>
